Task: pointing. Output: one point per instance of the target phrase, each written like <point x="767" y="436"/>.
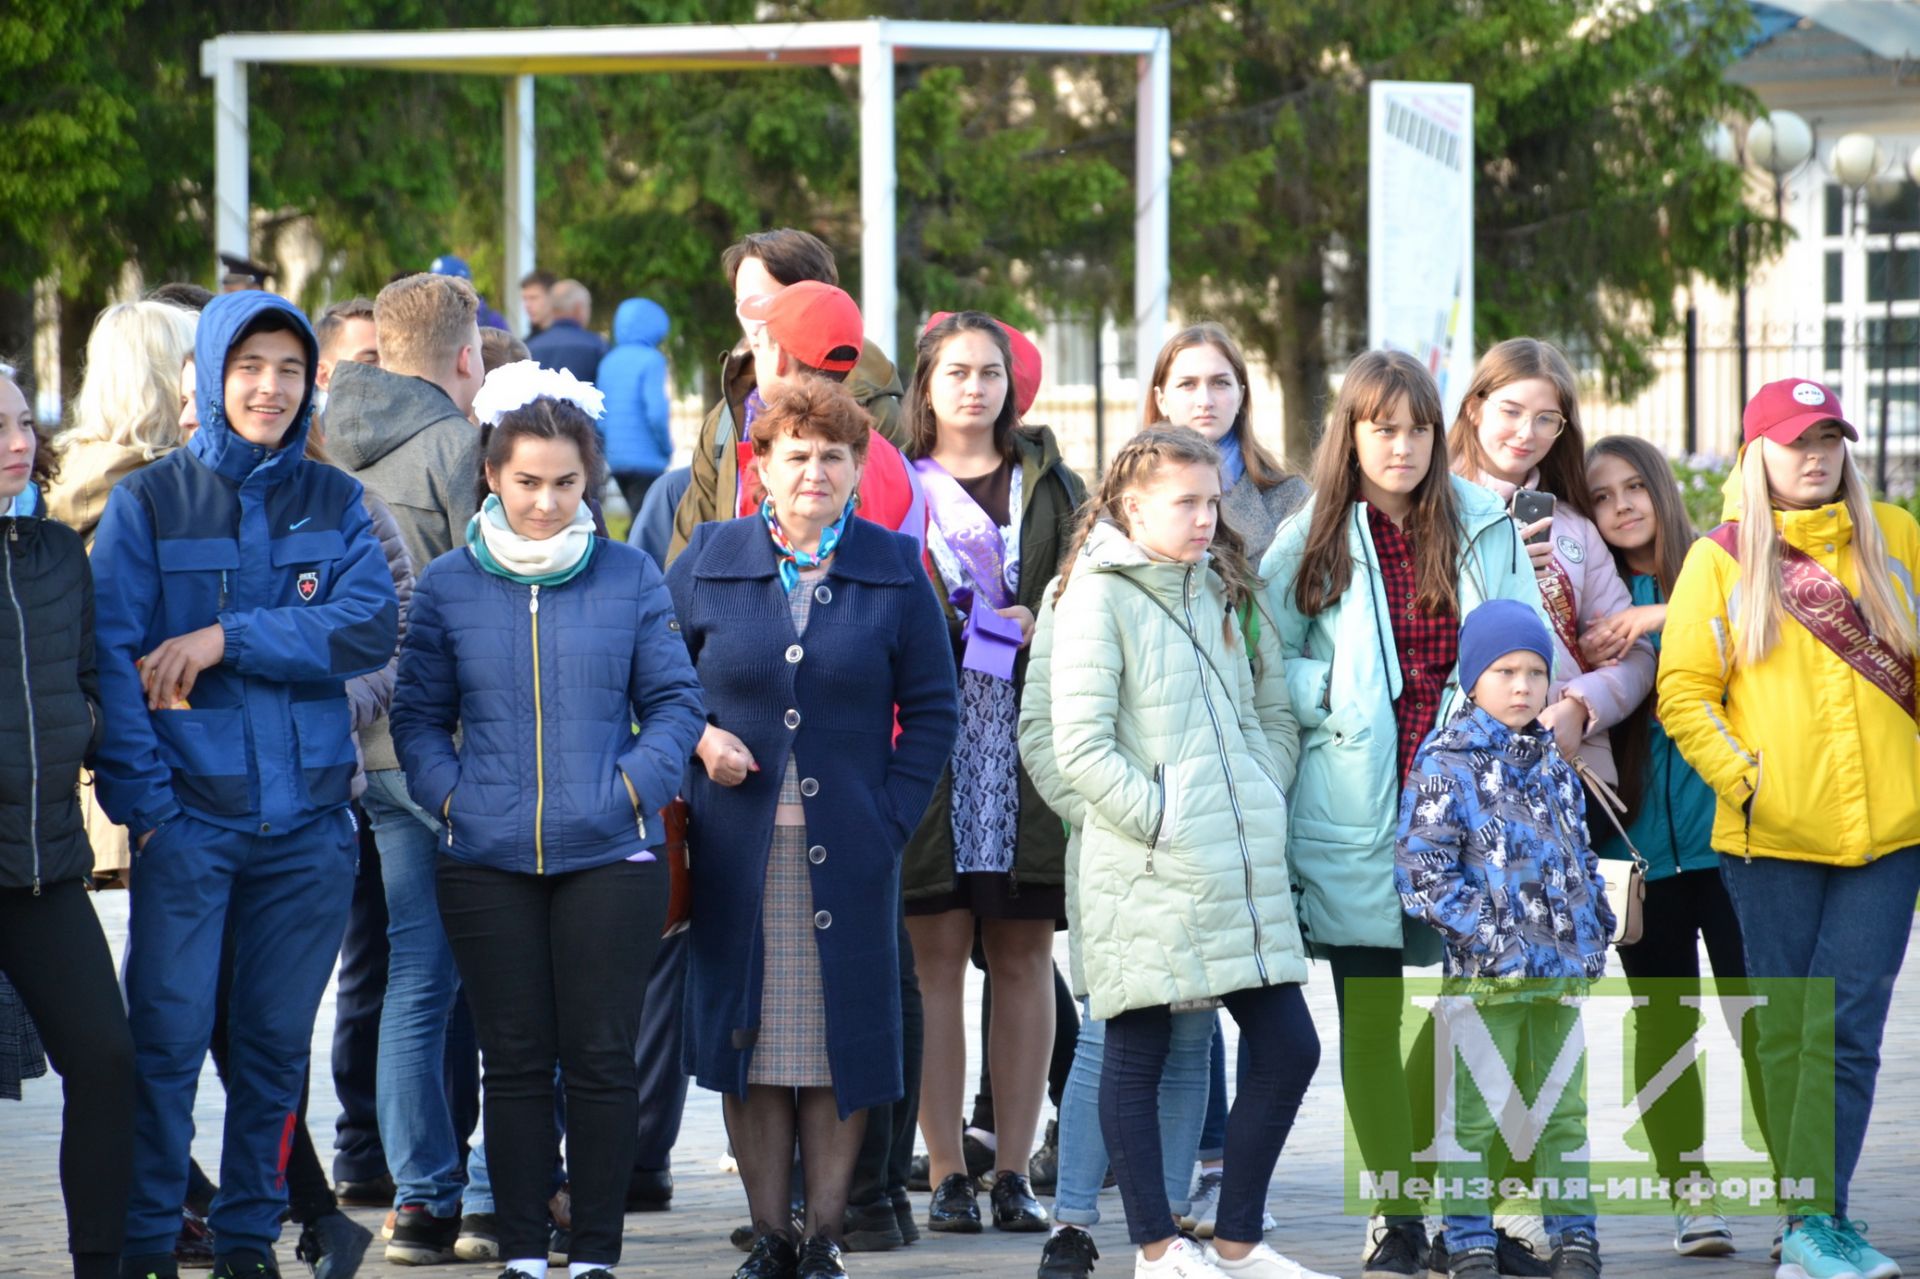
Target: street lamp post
<point x="1779" y="143"/>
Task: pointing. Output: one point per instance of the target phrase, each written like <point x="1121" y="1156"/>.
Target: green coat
<point x="1052" y="496"/>
<point x="1182" y="889"/>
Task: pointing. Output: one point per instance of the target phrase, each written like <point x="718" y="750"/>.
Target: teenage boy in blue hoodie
<point x="239" y="587"/>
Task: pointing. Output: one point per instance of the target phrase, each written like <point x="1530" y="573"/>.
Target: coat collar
<point x="740" y="549"/>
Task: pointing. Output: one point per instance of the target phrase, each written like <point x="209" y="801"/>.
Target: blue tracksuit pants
<point x="288" y="897"/>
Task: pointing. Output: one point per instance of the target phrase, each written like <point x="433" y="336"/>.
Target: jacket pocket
<point x="310" y="557"/>
<point x="197" y="573"/>
<point x="207" y="753"/>
<point x="633" y="796"/>
<point x="323" y="742"/>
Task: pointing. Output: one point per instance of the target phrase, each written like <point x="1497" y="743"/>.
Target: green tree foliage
<point x="1595" y="198"/>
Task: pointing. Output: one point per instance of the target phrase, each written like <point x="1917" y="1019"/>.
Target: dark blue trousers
<point x="357" y="1153"/>
<point x="663" y="1084"/>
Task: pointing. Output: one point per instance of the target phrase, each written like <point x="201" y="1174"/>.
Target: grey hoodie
<point x="409" y="444"/>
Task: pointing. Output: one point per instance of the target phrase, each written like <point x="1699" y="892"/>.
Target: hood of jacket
<point x="640" y="322"/>
<point x="874" y="376"/>
<point x="222" y="324"/>
<point x="371" y="412"/>
<point x="1110" y="550"/>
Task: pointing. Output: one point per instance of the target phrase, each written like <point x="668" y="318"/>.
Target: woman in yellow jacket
<point x="1787" y="681"/>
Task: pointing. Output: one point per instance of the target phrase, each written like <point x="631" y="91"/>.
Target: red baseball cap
<point x="1027" y="365"/>
<point x="815" y="323"/>
<point x="1781" y="411"/>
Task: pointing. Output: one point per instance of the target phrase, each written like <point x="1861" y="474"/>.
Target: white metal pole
<point x="231" y="224"/>
<point x="1153" y="174"/>
<point x="521" y="229"/>
<point x="879" y="301"/>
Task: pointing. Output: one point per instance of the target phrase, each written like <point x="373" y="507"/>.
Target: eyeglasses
<point x="1513" y="418"/>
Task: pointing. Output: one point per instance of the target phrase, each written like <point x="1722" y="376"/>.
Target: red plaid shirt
<point x="1427" y="644"/>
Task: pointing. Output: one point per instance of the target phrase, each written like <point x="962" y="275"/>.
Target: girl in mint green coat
<point x="1367" y="584"/>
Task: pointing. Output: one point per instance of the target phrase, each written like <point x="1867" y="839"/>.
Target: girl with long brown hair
<point x="1368" y="583"/>
<point x="1519" y="427"/>
<point x="1200" y="381"/>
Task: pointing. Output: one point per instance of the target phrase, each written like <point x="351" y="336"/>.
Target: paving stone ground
<point x="691" y="1239"/>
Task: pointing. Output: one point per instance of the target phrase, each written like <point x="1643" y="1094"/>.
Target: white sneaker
<point x="1183" y="1259"/>
<point x="1262" y="1263"/>
<point x="1204" y="1204"/>
<point x="1375" y="1224"/>
<point x="1267" y="1224"/>
<point x="1701" y="1234"/>
<point x="1527" y="1230"/>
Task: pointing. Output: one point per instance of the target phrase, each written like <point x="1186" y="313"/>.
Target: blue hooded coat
<point x="633" y="376"/>
<point x="280" y="552"/>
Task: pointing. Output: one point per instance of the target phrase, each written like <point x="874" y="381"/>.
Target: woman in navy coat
<point x="546" y="646"/>
<point x="812" y="632"/>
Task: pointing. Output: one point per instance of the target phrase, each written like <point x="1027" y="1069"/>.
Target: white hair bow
<point x="514" y="386"/>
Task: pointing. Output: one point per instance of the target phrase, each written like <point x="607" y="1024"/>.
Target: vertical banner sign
<point x="1420" y="228"/>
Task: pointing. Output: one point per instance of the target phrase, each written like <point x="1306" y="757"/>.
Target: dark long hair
<point x="1373" y="385"/>
<point x="1563" y="472"/>
<point x="1265" y="470"/>
<point x="1673" y="533"/>
<point x="543" y="419"/>
<point x="923" y="429"/>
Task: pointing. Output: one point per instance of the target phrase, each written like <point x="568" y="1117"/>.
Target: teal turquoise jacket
<point x="1673" y="828"/>
<point x="1342" y="679"/>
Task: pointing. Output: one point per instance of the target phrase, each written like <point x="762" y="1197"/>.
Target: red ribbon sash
<point x="1819" y="601"/>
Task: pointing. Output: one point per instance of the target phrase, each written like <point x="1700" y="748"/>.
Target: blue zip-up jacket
<point x="1673" y="825"/>
<point x="281" y="553"/>
<point x="546" y="684"/>
<point x="633" y="375"/>
<point x="1492" y="851"/>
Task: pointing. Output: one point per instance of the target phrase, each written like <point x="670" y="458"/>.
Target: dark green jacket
<point x="1051" y="499"/>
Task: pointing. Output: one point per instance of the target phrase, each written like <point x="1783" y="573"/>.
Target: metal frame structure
<point x="875" y="45"/>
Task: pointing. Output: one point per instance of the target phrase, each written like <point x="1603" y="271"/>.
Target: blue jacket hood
<point x="215" y="443"/>
<point x="640" y="320"/>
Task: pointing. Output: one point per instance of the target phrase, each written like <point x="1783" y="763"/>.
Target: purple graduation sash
<point x="992" y="641"/>
<point x="1819" y="601"/>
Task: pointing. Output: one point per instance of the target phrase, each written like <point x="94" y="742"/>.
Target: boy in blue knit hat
<point x="1492" y="852"/>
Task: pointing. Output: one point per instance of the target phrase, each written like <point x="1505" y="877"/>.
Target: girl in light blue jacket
<point x="1368" y="583"/>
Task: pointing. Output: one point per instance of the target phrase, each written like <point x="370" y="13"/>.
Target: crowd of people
<point x="326" y="654"/>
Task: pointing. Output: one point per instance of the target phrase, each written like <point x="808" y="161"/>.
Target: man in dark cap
<point x="448" y="264"/>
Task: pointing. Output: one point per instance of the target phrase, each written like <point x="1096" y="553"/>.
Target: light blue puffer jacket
<point x="1342" y="679"/>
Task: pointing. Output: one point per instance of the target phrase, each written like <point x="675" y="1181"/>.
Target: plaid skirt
<point x="791" y="1049"/>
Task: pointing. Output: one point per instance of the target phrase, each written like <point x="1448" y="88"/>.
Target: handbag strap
<point x="1610" y="801"/>
<point x="1175" y="619"/>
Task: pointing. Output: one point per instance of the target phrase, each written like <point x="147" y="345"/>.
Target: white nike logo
<point x="292" y="527"/>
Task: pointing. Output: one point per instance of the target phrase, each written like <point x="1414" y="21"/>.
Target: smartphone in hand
<point x="1529" y="506"/>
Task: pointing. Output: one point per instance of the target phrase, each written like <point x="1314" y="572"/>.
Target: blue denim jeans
<point x="1183" y="1101"/>
<point x="416" y="1121"/>
<point x="1213" y="1133"/>
<point x="1849" y="923"/>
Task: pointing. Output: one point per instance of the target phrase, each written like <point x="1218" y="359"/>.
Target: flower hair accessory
<point x="514" y="386"/>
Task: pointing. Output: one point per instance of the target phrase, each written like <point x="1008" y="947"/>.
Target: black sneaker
<point x="420" y="1238"/>
<point x="919" y="1173"/>
<point x="872" y="1228"/>
<point x="479" y="1238"/>
<point x="559" y="1245"/>
<point x="769" y="1257"/>
<point x="375" y="1192"/>
<point x="333" y="1245"/>
<point x="903" y="1214"/>
<point x="1473" y="1263"/>
<point x="1014" y="1207"/>
<point x="193" y="1246"/>
<point x="1043" y="1170"/>
<point x="1397" y="1251"/>
<point x="244" y="1264"/>
<point x="955" y="1209"/>
<point x="157" y="1266"/>
<point x="1069" y="1254"/>
<point x="820" y="1259"/>
<point x="1512" y="1259"/>
<point x="1576" y="1256"/>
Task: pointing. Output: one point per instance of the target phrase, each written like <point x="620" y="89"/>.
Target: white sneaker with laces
<point x="1204" y="1204"/>
<point x="1527" y="1229"/>
<point x="1262" y="1263"/>
<point x="1702" y="1234"/>
<point x="1183" y="1259"/>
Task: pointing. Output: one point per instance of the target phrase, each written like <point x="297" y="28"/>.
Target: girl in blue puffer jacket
<point x="546" y="646"/>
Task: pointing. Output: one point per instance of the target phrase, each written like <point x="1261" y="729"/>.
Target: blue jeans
<point x="416" y="1121"/>
<point x="1848" y="923"/>
<point x="1183" y="1101"/>
<point x="1213" y="1132"/>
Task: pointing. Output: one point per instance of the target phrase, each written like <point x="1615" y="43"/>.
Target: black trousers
<point x="52" y="950"/>
<point x="1680" y="912"/>
<point x="357" y="1153"/>
<point x="886" y="1148"/>
<point x="555" y="969"/>
<point x="656" y="1055"/>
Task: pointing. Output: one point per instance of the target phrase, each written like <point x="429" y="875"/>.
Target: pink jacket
<point x="1598" y="592"/>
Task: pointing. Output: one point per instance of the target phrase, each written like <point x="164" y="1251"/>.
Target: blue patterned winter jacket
<point x="1493" y="852"/>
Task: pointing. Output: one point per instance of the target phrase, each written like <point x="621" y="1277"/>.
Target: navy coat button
<point x="822" y="919"/>
<point x="823" y="594"/>
<point x="793" y="719"/>
<point x="809" y="787"/>
<point x="795" y="652"/>
<point x="817" y="854"/>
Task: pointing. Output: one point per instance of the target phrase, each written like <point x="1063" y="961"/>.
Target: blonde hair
<point x="130" y="393"/>
<point x="1761" y="611"/>
<point x="421" y="321"/>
